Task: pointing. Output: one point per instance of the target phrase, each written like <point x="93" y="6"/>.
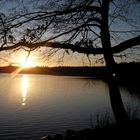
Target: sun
<point x="26" y="62"/>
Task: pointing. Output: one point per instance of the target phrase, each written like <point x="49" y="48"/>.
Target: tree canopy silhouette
<point x="92" y="27"/>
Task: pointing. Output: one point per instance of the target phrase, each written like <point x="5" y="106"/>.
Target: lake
<point x="32" y="106"/>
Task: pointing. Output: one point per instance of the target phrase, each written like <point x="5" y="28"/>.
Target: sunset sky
<point x="39" y="57"/>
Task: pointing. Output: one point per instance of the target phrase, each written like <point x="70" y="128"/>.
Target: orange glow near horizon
<point x="26" y="62"/>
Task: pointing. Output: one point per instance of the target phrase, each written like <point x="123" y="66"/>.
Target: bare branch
<point x="74" y="48"/>
<point x="126" y="44"/>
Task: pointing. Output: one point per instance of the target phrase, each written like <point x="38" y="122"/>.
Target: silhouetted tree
<point x="92" y="27"/>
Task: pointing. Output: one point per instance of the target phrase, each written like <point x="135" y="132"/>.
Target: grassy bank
<point x="129" y="130"/>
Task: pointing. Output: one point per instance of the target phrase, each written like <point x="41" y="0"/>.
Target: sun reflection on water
<point x="24" y="89"/>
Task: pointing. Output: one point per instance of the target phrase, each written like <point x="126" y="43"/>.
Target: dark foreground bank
<point x="129" y="130"/>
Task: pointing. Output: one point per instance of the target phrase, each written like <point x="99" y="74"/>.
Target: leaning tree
<point x="91" y="27"/>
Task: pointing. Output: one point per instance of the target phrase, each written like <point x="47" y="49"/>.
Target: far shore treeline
<point x="126" y="71"/>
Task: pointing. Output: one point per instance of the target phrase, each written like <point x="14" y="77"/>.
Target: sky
<point x="39" y="56"/>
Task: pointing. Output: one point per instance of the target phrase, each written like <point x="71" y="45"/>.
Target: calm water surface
<point x="32" y="106"/>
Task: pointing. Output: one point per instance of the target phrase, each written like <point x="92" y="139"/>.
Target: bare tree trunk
<point x="116" y="101"/>
<point x="115" y="97"/>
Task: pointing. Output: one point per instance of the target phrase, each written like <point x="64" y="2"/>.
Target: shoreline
<point x="109" y="131"/>
<point x="123" y="70"/>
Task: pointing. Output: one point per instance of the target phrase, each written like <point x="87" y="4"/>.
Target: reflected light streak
<point x="24" y="89"/>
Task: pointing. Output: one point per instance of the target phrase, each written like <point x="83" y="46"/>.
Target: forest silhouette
<point x="85" y="27"/>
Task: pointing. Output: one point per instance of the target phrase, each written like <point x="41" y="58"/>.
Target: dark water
<point x="36" y="105"/>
